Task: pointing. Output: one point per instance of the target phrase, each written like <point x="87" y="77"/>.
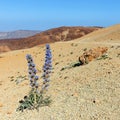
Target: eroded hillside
<point x="49" y="36"/>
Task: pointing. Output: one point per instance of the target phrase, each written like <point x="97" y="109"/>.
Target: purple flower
<point x="32" y="72"/>
<point x="47" y="67"/>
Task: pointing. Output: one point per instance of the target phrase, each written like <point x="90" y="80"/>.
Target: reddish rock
<point x="92" y="54"/>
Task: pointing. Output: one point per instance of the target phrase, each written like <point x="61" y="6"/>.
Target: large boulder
<point x="92" y="54"/>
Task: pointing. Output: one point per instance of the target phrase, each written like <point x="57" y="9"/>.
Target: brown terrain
<point x="86" y="92"/>
<point x="49" y="36"/>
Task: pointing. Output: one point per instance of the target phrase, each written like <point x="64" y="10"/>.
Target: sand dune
<point x="88" y="92"/>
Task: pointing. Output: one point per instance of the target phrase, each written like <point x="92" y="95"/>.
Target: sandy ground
<point x="89" y="92"/>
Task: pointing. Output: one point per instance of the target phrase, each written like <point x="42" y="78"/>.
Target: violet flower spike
<point x="47" y="67"/>
<point x="32" y="72"/>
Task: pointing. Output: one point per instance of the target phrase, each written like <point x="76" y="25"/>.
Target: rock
<point x="92" y="54"/>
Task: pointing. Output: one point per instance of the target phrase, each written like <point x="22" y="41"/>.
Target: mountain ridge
<point x="48" y="36"/>
<point x="18" y="34"/>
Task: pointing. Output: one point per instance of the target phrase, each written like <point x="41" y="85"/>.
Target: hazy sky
<point x="46" y="14"/>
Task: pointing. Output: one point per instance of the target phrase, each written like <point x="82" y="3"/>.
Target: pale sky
<point x="46" y="14"/>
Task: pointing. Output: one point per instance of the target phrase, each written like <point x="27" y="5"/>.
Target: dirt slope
<point x="88" y="92"/>
<point x="110" y="34"/>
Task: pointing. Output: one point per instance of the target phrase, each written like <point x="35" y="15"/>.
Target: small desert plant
<point x="20" y="78"/>
<point x="76" y="64"/>
<point x="104" y="56"/>
<point x="36" y="97"/>
<point x="85" y="49"/>
<point x="71" y="65"/>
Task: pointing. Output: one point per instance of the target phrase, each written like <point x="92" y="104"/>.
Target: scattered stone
<point x="9" y="112"/>
<point x="94" y="101"/>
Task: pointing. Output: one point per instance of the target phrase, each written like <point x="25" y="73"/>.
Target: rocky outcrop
<point x="92" y="54"/>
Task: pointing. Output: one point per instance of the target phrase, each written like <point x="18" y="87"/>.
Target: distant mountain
<point x="18" y="34"/>
<point x="48" y="36"/>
